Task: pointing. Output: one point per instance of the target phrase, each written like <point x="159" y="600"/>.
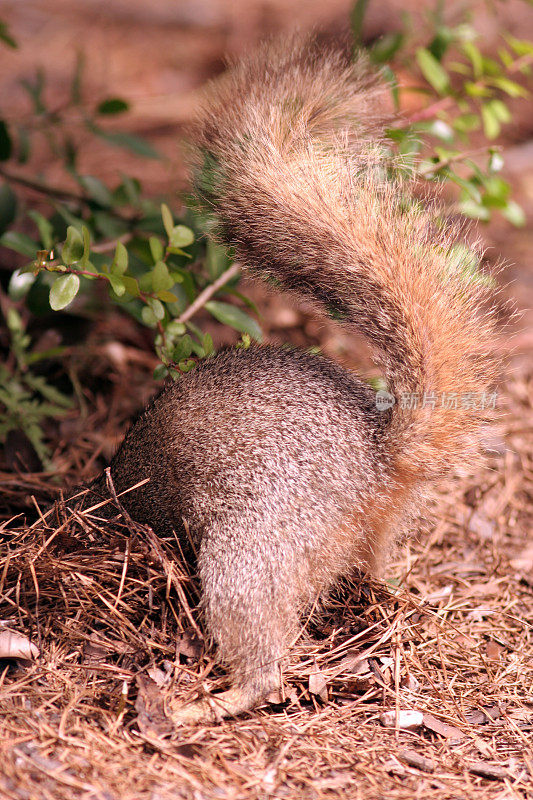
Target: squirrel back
<point x="282" y="470"/>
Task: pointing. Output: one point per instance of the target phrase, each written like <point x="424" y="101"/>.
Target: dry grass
<point x="115" y="618"/>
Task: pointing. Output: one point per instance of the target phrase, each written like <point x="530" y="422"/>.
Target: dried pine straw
<point x="115" y="617"/>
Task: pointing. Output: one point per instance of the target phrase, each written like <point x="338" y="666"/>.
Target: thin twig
<point x="445" y="162"/>
<point x="61" y="194"/>
<point x="208" y="292"/>
<point x="43" y="188"/>
<point x="105" y="247"/>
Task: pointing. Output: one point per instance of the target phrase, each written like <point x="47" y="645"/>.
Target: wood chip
<point x="318" y="684"/>
<point x="489" y="771"/>
<point x="414" y="759"/>
<point x="442" y="728"/>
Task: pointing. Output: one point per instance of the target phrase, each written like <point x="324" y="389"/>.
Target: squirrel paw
<point x="215" y="708"/>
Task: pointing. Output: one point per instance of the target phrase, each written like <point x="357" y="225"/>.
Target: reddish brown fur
<point x="311" y="209"/>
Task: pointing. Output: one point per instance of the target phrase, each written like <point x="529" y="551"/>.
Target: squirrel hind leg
<point x="251" y="613"/>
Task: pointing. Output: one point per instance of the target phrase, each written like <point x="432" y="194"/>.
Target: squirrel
<point x="286" y="471"/>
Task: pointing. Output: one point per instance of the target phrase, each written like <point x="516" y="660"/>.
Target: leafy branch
<point x="469" y="93"/>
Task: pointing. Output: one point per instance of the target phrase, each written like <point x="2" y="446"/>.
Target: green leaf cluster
<point x="28" y="399"/>
<point x="467" y="93"/>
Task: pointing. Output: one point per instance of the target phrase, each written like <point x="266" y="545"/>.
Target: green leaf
<point x="497" y="192"/>
<point x="491" y="67"/>
<point x="156" y="248"/>
<point x="216" y="259"/>
<point x="68" y="217"/>
<point x="24" y="146"/>
<point x="145" y="282"/>
<point x="500" y="110"/>
<point x="120" y="260"/>
<point x="148" y="317"/>
<point x="493" y="113"/>
<point x="131" y="285"/>
<point x="510" y="87"/>
<point x="128" y="191"/>
<point x="14" y="320"/>
<point x="469" y="187"/>
<point x="175" y="328"/>
<point x="20" y="284"/>
<point x="157" y="308"/>
<point x="70" y="154"/>
<point x="433" y="71"/>
<point x="458" y="66"/>
<point x="161" y="279"/>
<point x="96" y="190"/>
<point x="168" y="220"/>
<point x="108" y="225"/>
<point x="72" y="250"/>
<point x="440" y="42"/>
<point x="86" y="245"/>
<point x="474" y="210"/>
<point x="63" y="291"/>
<point x="473" y="53"/>
<point x="6" y="37"/>
<point x="160" y="372"/>
<point x="178" y="251"/>
<point x="386" y="47"/>
<point x="522" y="47"/>
<point x="245" y="343"/>
<point x="20" y="243"/>
<point x="8" y="206"/>
<point x="392" y="80"/>
<point x="49" y="392"/>
<point x="357" y="17"/>
<point x="505" y="57"/>
<point x="197" y="349"/>
<point x="35" y="90"/>
<point x="466" y="123"/>
<point x="475" y="90"/>
<point x="113" y="105"/>
<point x="46" y="230"/>
<point x="183" y="348"/>
<point x="207" y="344"/>
<point x="181" y="236"/>
<point x="235" y="318"/>
<point x="186" y="365"/>
<point x="6" y="144"/>
<point x="75" y="86"/>
<point x="514" y="214"/>
<point x="166" y="297"/>
<point x="117" y="284"/>
<point x="126" y="140"/>
<point x="491" y="123"/>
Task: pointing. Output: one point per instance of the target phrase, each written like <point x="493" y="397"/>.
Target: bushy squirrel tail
<point x="290" y="161"/>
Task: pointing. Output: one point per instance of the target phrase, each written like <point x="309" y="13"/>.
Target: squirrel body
<point x="281" y="465"/>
